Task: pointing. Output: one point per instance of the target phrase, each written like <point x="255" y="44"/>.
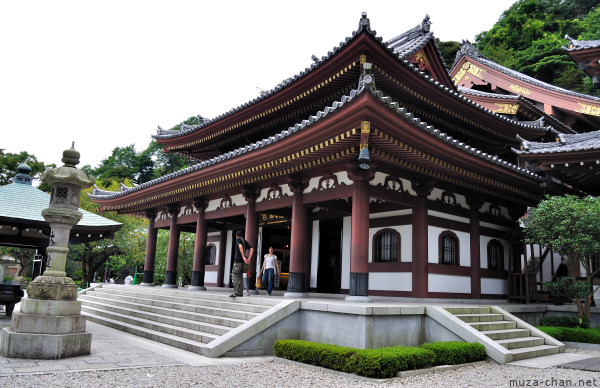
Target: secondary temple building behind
<point x="377" y="172"/>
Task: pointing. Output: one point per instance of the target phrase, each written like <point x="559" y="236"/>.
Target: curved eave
<point x="295" y="87"/>
<point x="334" y="132"/>
<point x="519" y="83"/>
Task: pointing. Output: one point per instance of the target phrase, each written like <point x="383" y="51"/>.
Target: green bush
<point x="590" y="336"/>
<point x="382" y="362"/>
<point x="559" y="322"/>
<point x="452" y="353"/>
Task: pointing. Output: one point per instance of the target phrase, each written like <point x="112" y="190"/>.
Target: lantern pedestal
<point x="50" y="324"/>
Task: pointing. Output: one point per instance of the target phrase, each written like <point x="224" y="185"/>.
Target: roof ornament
<point x="524" y="143"/>
<point x="366" y="78"/>
<point x="364" y="22"/>
<point x="426" y="23"/>
<point x="23" y="174"/>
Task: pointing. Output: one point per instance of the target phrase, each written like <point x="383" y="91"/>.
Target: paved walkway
<point x="113" y="350"/>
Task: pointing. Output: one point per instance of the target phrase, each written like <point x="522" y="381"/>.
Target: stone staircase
<point x="521" y="340"/>
<point x="183" y="319"/>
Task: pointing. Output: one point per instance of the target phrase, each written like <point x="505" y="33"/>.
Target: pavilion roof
<point x="523" y="101"/>
<point x="194" y="174"/>
<point x="468" y="50"/>
<point x="413" y="40"/>
<point x="588" y="141"/>
<point x="21" y="208"/>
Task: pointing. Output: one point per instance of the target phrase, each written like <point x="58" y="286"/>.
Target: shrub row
<point x="382" y="362"/>
<point x="590" y="336"/>
<point x="559" y="322"/>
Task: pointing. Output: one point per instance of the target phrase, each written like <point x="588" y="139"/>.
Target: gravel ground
<point x="274" y="374"/>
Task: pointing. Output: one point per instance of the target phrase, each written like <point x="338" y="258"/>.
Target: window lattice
<point x="386" y="248"/>
<point x="61" y="192"/>
<point x="449" y="250"/>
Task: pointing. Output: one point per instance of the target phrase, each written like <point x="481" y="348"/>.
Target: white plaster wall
<point x="449" y="283"/>
<point x="464" y="240"/>
<point x="342" y="178"/>
<point x="494" y="286"/>
<point x="213" y="205"/>
<point x="448" y="216"/>
<point x="210" y="277"/>
<point x="228" y="257"/>
<point x="394" y="213"/>
<point x="493" y="226"/>
<point x="314" y="254"/>
<point x="483" y="243"/>
<point x="390" y="281"/>
<point x="405" y="241"/>
<point x="346" y="233"/>
<point x="238" y="200"/>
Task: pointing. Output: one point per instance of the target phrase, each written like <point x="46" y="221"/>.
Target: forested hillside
<point x="529" y="37"/>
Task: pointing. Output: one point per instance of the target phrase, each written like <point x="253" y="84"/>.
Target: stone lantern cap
<point x="68" y="173"/>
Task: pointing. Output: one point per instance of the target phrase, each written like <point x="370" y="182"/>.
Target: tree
<point x="126" y="249"/>
<point x="571" y="226"/>
<point x="530" y="35"/>
<point x="22" y="256"/>
<point x="9" y="162"/>
<point x="124" y="163"/>
<point x="185" y="256"/>
<point x="448" y="51"/>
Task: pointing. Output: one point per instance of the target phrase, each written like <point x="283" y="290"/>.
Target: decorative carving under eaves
<point x="274" y="192"/>
<point x="226" y="202"/>
<point x="328" y="182"/>
<point x="393" y="183"/>
<point x="449" y="199"/>
<point x="495" y="211"/>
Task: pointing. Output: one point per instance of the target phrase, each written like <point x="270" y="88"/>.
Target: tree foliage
<point x="9" y="162"/>
<point x="529" y="37"/>
<point x="571" y="226"/>
<point x="125" y="250"/>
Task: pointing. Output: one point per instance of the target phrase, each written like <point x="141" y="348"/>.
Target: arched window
<point x="386" y="246"/>
<point x="495" y="255"/>
<point x="209" y="256"/>
<point x="449" y="252"/>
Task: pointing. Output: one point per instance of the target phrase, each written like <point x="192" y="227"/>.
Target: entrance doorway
<point x="329" y="274"/>
<point x="278" y="236"/>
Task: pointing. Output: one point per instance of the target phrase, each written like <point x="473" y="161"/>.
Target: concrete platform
<point x="555" y="360"/>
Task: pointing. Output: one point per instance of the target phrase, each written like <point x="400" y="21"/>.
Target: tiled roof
<point x="567" y="143"/>
<point x="364" y="85"/>
<point x="363" y="25"/>
<point x="26" y="202"/>
<point x="575" y="45"/>
<point x="469" y="50"/>
<point x="412" y="40"/>
<point x="540" y="122"/>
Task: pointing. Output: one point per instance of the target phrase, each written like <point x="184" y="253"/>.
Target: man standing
<point x="238" y="263"/>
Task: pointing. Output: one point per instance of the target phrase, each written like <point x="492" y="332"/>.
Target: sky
<point x="106" y="74"/>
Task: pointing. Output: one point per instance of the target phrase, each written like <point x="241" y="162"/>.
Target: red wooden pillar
<point x="297" y="277"/>
<point x="420" y="241"/>
<point x="148" y="279"/>
<point x="198" y="265"/>
<point x="251" y="233"/>
<point x="173" y="250"/>
<point x="359" y="249"/>
<point x="475" y="205"/>
<point x="221" y="271"/>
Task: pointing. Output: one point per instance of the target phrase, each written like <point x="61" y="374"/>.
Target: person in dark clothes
<point x="241" y="246"/>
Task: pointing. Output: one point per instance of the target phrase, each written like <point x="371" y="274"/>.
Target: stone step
<point x="479" y="317"/>
<point x="497" y="325"/>
<point x="469" y="310"/>
<point x="521" y="342"/>
<point x="166" y="328"/>
<point x="154" y="335"/>
<point x="534" y="351"/>
<point x="194" y="324"/>
<point x="249" y="304"/>
<point x="506" y="334"/>
<point x="174" y="309"/>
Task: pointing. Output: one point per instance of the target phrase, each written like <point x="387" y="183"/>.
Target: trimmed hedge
<point x="382" y="362"/>
<point x="452" y="353"/>
<point x="590" y="336"/>
<point x="559" y="322"/>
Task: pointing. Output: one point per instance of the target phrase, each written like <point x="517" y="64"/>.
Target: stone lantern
<point x="50" y="324"/>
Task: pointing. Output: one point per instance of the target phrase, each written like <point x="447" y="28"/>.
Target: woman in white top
<point x="268" y="267"/>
